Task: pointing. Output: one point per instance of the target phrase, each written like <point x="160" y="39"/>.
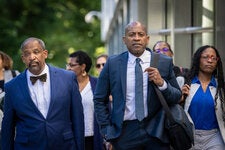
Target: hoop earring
<point x="84" y="73"/>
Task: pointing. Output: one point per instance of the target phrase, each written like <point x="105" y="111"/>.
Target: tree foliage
<point x="60" y="23"/>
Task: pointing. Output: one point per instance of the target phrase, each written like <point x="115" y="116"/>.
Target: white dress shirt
<point x="40" y="91"/>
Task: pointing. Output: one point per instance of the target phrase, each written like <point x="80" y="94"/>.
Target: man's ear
<point x="46" y="53"/>
<point x="124" y="39"/>
<point x="22" y="58"/>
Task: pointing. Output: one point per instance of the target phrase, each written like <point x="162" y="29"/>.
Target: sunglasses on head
<point x="99" y="65"/>
<point x="162" y="50"/>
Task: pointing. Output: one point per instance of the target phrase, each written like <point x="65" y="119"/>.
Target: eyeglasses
<point x="71" y="65"/>
<point x="162" y="50"/>
<point x="99" y="65"/>
<point x="213" y="59"/>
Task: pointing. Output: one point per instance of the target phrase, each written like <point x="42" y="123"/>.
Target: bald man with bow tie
<point x="43" y="109"/>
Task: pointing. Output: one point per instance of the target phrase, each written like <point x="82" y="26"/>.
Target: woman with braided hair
<point x="203" y="98"/>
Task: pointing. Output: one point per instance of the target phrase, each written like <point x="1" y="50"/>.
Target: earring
<point x="84" y="73"/>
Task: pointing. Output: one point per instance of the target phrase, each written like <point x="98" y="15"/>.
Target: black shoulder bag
<point x="180" y="129"/>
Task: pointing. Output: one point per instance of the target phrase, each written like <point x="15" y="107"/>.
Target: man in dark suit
<point x="131" y="125"/>
<point x="42" y="114"/>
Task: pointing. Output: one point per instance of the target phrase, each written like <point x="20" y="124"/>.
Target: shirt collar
<point x="43" y="72"/>
<point x="145" y="57"/>
<point x="211" y="83"/>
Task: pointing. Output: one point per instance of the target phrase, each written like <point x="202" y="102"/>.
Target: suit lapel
<point x="123" y="72"/>
<point x="53" y="86"/>
<point x="26" y="92"/>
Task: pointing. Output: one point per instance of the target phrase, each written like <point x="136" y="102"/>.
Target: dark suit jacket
<point x="112" y="80"/>
<point x="25" y="128"/>
<point x="98" y="140"/>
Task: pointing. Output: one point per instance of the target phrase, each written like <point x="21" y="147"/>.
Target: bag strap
<point x="13" y="73"/>
<point x="154" y="63"/>
<point x="155" y="60"/>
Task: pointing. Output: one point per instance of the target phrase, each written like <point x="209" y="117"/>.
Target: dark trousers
<point x="135" y="137"/>
<point x="89" y="143"/>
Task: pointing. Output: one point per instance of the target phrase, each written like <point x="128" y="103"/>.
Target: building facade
<point x="185" y="24"/>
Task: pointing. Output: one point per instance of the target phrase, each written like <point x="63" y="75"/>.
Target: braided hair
<point x="218" y="73"/>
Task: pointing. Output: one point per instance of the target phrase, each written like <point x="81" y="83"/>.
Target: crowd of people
<point x="46" y="107"/>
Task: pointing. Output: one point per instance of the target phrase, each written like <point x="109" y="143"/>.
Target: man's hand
<point x="154" y="76"/>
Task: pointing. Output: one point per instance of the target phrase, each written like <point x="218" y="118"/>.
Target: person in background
<point x="205" y="101"/>
<point x="43" y="108"/>
<point x="80" y="63"/>
<point x="6" y="70"/>
<point x="100" y="62"/>
<point x="165" y="48"/>
<point x="131" y="124"/>
<point x="6" y="74"/>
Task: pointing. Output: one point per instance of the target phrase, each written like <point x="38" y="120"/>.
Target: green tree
<point x="60" y="23"/>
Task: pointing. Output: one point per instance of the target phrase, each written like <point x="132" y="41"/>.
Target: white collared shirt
<point x="40" y="91"/>
<point x="130" y="91"/>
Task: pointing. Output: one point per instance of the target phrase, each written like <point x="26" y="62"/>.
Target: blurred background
<point x="184" y="24"/>
<point x="97" y="26"/>
<point x="60" y="23"/>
